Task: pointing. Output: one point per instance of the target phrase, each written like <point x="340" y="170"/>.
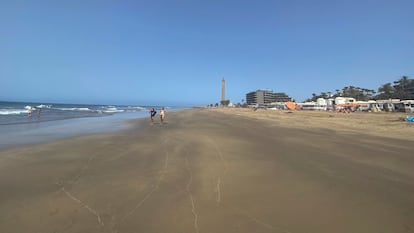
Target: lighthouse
<point x="223" y="90"/>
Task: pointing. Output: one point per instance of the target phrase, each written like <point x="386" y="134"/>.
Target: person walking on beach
<point x="152" y="113"/>
<point x="162" y="115"/>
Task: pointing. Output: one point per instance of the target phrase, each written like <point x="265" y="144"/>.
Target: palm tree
<point x="337" y="91"/>
<point x="329" y="94"/>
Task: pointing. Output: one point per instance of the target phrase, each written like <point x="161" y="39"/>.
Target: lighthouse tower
<point x="223" y="90"/>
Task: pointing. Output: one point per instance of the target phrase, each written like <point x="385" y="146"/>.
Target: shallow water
<point x="44" y="131"/>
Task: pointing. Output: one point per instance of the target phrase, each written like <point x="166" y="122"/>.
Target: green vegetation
<point x="225" y="103"/>
<point x="401" y="89"/>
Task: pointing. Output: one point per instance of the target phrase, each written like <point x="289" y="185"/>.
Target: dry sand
<point x="386" y="124"/>
<point x="218" y="171"/>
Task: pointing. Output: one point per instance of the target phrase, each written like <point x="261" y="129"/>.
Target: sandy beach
<point x="218" y="170"/>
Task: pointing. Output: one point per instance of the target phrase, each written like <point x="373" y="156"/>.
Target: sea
<point x="24" y="123"/>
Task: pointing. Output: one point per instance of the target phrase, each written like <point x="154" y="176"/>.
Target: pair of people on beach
<point x="153" y="112"/>
<point x="30" y="111"/>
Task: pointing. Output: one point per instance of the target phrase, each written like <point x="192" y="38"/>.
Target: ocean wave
<point x="18" y="113"/>
<point x="111" y="109"/>
<point x="74" y="109"/>
<point x="44" y="106"/>
<point x="28" y="107"/>
<point x="135" y="109"/>
<point x="13" y="111"/>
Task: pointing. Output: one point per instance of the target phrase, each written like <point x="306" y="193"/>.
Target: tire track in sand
<point x="74" y="181"/>
<point x="155" y="187"/>
<point x="221" y="176"/>
<point x="261" y="223"/>
<point x="188" y="190"/>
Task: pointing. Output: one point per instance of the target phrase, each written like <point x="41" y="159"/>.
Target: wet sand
<point x="218" y="171"/>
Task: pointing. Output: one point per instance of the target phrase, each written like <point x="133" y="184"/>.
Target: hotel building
<point x="265" y="97"/>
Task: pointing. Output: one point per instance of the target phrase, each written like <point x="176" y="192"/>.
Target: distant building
<point x="265" y="97"/>
<point x="259" y="97"/>
<point x="281" y="97"/>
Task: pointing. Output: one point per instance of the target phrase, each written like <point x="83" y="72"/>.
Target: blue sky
<point x="177" y="52"/>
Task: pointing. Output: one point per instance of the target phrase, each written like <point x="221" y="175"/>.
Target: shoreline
<point x="212" y="171"/>
<point x="49" y="131"/>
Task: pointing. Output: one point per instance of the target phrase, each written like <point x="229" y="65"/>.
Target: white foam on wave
<point x="74" y="109"/>
<point x="44" y="106"/>
<point x="136" y="108"/>
<point x="111" y="109"/>
<point x="13" y="111"/>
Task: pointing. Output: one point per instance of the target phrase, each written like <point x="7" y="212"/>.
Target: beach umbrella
<point x="291" y="105"/>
